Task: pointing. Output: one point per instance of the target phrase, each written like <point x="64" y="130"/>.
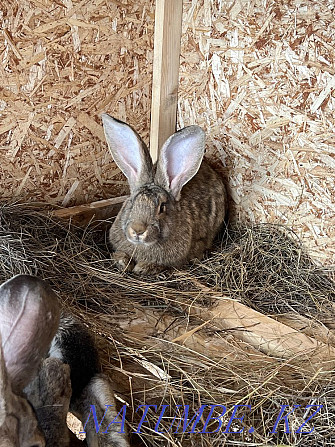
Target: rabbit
<point x="49" y="393"/>
<point x="175" y="207"/>
<point x="48" y="365"/>
<point x="29" y="318"/>
<point x="73" y="345"/>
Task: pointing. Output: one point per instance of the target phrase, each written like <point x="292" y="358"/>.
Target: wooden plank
<point x="149" y="325"/>
<point x="311" y="327"/>
<point x="168" y="20"/>
<point x="258" y="335"/>
<point x="264" y="333"/>
<point x="100" y="210"/>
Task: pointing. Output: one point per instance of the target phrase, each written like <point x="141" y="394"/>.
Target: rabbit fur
<point x="176" y="206"/>
<point x="74" y="345"/>
<point x="49" y="393"/>
<point x="48" y="365"/>
<point x="29" y="318"/>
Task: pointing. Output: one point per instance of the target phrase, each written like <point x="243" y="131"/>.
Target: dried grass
<point x="137" y="322"/>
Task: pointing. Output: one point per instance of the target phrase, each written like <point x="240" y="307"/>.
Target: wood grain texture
<point x="264" y="333"/>
<point x="100" y="210"/>
<point x="168" y="21"/>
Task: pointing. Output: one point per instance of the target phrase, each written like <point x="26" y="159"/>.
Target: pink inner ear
<point x="183" y="156"/>
<point x="124" y="146"/>
<point x="29" y="317"/>
<point x="18" y="331"/>
<point x="179" y="161"/>
<point x="127" y="147"/>
<point x="3" y="386"/>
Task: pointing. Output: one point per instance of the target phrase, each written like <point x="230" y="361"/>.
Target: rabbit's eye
<point x="162" y="208"/>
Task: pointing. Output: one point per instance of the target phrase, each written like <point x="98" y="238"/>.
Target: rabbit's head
<point x="29" y="317"/>
<point x="149" y="215"/>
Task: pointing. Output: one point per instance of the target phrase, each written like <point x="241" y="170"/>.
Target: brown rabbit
<point x="49" y="393"/>
<point x="37" y="392"/>
<point x="29" y="318"/>
<point x="176" y="206"/>
<point x="75" y="346"/>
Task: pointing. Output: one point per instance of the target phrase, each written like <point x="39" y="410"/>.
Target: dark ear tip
<point x="193" y="133"/>
<point x="194" y="130"/>
<point x="105" y="118"/>
<point x="189" y="131"/>
<point x="109" y="119"/>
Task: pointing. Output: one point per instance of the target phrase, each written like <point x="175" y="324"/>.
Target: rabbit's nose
<point x="137" y="231"/>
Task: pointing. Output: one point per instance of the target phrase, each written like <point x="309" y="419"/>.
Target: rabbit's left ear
<point x="180" y="159"/>
<point x="129" y="152"/>
<point x="29" y="318"/>
<point x="4" y="384"/>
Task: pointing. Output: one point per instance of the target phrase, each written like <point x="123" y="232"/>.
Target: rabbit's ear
<point x="180" y="159"/>
<point x="18" y="423"/>
<point x="3" y="387"/>
<point x="129" y="152"/>
<point x="29" y="318"/>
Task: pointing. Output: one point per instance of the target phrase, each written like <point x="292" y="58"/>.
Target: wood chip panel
<point x="63" y="63"/>
<point x="259" y="76"/>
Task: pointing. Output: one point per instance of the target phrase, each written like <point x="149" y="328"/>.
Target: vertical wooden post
<point x="168" y="21"/>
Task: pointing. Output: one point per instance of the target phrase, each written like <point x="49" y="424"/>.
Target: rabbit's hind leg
<point x="96" y="408"/>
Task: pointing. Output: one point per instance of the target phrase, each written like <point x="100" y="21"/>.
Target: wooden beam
<point x="149" y="325"/>
<point x="257" y="335"/>
<point x="168" y="21"/>
<point x="264" y="333"/>
<point x="100" y="210"/>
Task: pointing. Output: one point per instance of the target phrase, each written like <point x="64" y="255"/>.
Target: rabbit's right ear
<point x="180" y="159"/>
<point x="29" y="318"/>
<point x="129" y="152"/>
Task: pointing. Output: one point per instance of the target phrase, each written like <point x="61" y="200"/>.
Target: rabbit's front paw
<point x="123" y="261"/>
<point x="144" y="268"/>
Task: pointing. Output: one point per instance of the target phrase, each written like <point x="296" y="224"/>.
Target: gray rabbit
<point x="74" y="345"/>
<point x="175" y="207"/>
<point x="48" y="365"/>
<point x="29" y="318"/>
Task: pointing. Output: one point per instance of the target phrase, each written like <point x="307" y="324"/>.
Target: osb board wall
<point x="258" y="75"/>
<point x="63" y="63"/>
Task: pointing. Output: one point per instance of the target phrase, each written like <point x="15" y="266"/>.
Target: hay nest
<point x="140" y="325"/>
